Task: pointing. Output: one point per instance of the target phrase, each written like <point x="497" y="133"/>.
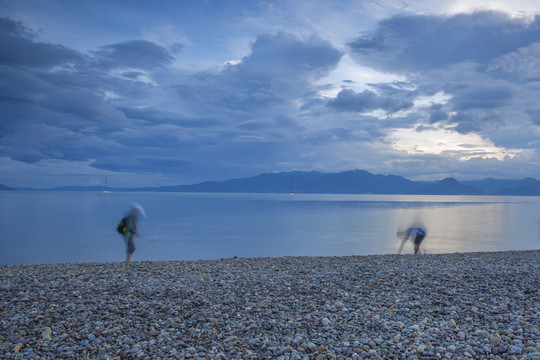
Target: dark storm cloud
<point x="138" y="54"/>
<point x="349" y="100"/>
<point x="17" y="48"/>
<point x="423" y="42"/>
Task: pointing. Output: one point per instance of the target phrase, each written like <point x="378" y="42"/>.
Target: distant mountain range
<point x="347" y="182"/>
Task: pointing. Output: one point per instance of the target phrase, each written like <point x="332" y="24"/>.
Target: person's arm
<point x="401" y="246"/>
<point x="406" y="234"/>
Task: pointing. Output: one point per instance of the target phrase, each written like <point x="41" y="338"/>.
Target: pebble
<point x="495" y="340"/>
<point x="467" y="305"/>
<point x="46" y="333"/>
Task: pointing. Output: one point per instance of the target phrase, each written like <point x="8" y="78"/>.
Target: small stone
<point x="515" y="350"/>
<point x="452" y="323"/>
<point x="221" y="356"/>
<point x="284" y="350"/>
<point x="17" y="348"/>
<point x="495" y="340"/>
<point x="46" y="333"/>
<point x="230" y="339"/>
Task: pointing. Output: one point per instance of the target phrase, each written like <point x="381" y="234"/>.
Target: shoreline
<point x="406" y="252"/>
<point x="458" y="305"/>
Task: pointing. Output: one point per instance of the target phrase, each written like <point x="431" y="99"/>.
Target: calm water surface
<point x="52" y="227"/>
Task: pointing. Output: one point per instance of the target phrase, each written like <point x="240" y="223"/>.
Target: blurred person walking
<point x="128" y="227"/>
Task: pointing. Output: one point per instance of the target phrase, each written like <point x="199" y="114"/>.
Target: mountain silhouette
<point x="346" y="182"/>
<point x="357" y="182"/>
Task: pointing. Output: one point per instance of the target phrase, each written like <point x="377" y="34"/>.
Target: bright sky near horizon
<point x="178" y="92"/>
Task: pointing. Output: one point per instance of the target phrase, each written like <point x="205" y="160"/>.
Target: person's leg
<point x="417" y="241"/>
<point x="130" y="248"/>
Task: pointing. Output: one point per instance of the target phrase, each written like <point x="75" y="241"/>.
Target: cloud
<point x="523" y="64"/>
<point x="17" y="48"/>
<point x="141" y="164"/>
<point x="535" y="116"/>
<point x="131" y="106"/>
<point x="137" y="54"/>
<point x="244" y="111"/>
<point x="437" y="114"/>
<point x="72" y="107"/>
<point x="31" y="143"/>
<point x="156" y="117"/>
<point x="280" y="66"/>
<point x="483" y="62"/>
<point x="407" y="43"/>
<point x="366" y="101"/>
<point x="284" y="55"/>
<point x="482" y="97"/>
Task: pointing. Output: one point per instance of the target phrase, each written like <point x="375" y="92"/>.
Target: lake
<point x="55" y="227"/>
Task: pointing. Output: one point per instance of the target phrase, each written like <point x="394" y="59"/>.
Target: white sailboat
<point x="105" y="191"/>
<point x="290" y="187"/>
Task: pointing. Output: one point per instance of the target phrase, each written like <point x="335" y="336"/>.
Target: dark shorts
<point x="130" y="245"/>
<point x="418" y="239"/>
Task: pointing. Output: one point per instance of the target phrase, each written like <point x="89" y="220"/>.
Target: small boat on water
<point x="105" y="191"/>
<point x="290" y="187"/>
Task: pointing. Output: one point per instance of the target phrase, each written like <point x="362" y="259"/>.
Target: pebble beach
<point x="437" y="306"/>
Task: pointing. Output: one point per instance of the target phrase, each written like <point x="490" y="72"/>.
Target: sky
<point x="140" y="93"/>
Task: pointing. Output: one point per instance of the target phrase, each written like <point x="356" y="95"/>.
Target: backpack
<point x="122" y="226"/>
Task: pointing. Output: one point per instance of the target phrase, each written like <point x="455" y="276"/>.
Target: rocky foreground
<point x="470" y="305"/>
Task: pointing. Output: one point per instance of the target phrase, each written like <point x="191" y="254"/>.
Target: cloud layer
<point x="135" y="109"/>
